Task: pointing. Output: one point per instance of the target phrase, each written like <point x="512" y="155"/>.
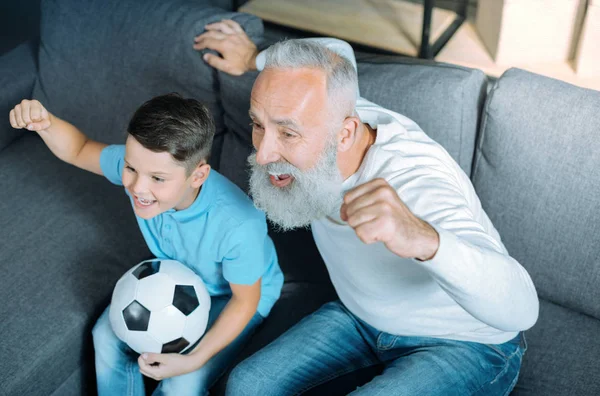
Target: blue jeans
<point x="117" y="371"/>
<point x="332" y="342"/>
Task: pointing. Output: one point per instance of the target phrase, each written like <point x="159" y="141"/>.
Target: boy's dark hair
<point x="182" y="127"/>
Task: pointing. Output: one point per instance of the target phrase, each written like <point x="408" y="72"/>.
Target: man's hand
<point x="159" y="366"/>
<point x="377" y="214"/>
<point x="238" y="53"/>
<point x="30" y="114"/>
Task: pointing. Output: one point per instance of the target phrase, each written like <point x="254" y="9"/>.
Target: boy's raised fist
<point x="31" y="115"/>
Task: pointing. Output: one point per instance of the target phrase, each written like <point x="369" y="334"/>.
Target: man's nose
<point x="267" y="150"/>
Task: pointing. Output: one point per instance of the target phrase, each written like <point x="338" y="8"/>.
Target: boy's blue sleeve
<point x="112" y="161"/>
<point x="244" y="262"/>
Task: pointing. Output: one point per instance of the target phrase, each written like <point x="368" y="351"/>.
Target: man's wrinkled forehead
<point x="289" y="93"/>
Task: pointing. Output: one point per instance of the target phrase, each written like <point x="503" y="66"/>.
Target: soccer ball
<point x="159" y="306"/>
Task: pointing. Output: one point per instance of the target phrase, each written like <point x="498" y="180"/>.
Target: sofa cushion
<point x="78" y="383"/>
<point x="100" y="60"/>
<point x="67" y="236"/>
<point x="562" y="357"/>
<point x="444" y="100"/>
<point x="536" y="172"/>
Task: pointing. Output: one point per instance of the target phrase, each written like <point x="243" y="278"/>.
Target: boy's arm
<point x="62" y="138"/>
<point x="229" y="325"/>
<point x="231" y="322"/>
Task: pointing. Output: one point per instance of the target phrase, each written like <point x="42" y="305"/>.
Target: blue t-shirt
<point x="221" y="236"/>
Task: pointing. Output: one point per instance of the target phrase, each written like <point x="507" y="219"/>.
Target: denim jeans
<point x="332" y="342"/>
<point x="117" y="371"/>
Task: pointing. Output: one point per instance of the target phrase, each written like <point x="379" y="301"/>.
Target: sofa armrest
<point x="18" y="71"/>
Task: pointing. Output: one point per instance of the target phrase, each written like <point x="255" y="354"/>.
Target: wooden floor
<point x="395" y="26"/>
<point x="391" y="25"/>
<point x="466" y="49"/>
<point x="453" y="5"/>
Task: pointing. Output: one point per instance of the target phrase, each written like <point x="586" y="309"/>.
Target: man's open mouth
<point x="280" y="179"/>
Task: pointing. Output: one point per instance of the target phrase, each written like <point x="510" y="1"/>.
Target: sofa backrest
<point x="537" y="173"/>
<point x="100" y="60"/>
<point x="445" y="100"/>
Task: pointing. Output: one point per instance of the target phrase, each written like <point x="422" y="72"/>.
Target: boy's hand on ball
<point x="159" y="366"/>
<point x="31" y="115"/>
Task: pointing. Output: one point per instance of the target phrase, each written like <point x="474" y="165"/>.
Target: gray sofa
<point x="530" y="146"/>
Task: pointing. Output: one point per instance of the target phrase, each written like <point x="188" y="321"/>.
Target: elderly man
<point x="426" y="286"/>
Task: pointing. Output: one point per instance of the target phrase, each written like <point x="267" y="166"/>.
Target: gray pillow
<point x="445" y="100"/>
<point x="537" y="172"/>
<point x="99" y="60"/>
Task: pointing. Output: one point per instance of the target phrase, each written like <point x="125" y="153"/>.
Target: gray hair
<point x="342" y="80"/>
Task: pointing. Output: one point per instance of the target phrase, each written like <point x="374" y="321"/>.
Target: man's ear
<point x="347" y="136"/>
<point x="199" y="175"/>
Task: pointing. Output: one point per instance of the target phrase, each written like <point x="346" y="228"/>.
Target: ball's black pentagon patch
<point x="175" y="346"/>
<point x="147" y="269"/>
<point x="185" y="299"/>
<point x="136" y="317"/>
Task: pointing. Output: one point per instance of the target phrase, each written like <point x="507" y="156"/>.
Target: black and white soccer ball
<point x="159" y="306"/>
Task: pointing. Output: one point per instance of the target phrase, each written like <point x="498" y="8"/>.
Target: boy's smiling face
<point x="156" y="182"/>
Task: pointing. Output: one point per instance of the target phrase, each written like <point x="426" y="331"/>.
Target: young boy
<point x="186" y="212"/>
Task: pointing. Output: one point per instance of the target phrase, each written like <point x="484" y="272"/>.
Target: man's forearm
<point x="490" y="285"/>
<point x="231" y="322"/>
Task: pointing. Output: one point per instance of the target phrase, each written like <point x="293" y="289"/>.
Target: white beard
<point x="312" y="195"/>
